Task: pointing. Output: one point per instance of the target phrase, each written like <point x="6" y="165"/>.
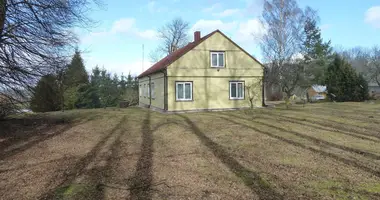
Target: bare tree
<point x="365" y="61"/>
<point x="252" y="94"/>
<point x="156" y="55"/>
<point x="173" y="36"/>
<point x="374" y="65"/>
<point x="359" y="58"/>
<point x="282" y="43"/>
<point x="36" y="39"/>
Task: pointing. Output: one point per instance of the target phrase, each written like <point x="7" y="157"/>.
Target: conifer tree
<point x="75" y="79"/>
<point x="46" y="95"/>
<point x="76" y="73"/>
<point x="316" y="52"/>
<point x="343" y="84"/>
<point x="314" y="46"/>
<point x="362" y="91"/>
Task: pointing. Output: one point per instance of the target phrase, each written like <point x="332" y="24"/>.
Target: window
<point x="153" y="94"/>
<point x="217" y="59"/>
<point x="144" y="91"/>
<point x="236" y="90"/>
<point x="140" y="90"/>
<point x="148" y="90"/>
<point x="184" y="91"/>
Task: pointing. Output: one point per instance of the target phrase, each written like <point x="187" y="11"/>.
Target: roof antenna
<point x="143" y="58"/>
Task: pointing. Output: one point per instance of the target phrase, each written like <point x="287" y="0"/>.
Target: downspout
<point x="150" y="92"/>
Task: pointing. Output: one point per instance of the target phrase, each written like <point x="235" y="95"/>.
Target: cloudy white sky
<point x="124" y="26"/>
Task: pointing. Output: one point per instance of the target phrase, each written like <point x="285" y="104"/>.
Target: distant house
<point x="317" y="92"/>
<point x="374" y="90"/>
<point x="212" y="72"/>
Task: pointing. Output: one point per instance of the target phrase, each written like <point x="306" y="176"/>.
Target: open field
<point x="322" y="151"/>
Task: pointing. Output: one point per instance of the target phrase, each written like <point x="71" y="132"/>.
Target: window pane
<point x="214" y="59"/>
<point x="233" y="90"/>
<point x="240" y="90"/>
<point x="221" y="59"/>
<point x="180" y="91"/>
<point x="187" y="91"/>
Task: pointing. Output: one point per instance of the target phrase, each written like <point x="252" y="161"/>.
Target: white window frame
<point x="153" y="94"/>
<point x="237" y="88"/>
<point x="217" y="59"/>
<point x="184" y="92"/>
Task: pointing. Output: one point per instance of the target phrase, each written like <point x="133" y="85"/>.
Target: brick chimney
<point x="197" y="36"/>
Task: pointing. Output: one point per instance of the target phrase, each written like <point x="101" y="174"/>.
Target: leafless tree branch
<point x="36" y="39"/>
<point x="173" y="36"/>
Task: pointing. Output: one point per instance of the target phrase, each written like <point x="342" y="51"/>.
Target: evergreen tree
<point x="75" y="79"/>
<point x="343" y="84"/>
<point x="123" y="84"/>
<point x="132" y="94"/>
<point x="109" y="91"/>
<point x="316" y="52"/>
<point x="115" y="80"/>
<point x="46" y="95"/>
<point x="62" y="87"/>
<point x="105" y="88"/>
<point x="71" y="98"/>
<point x="314" y="46"/>
<point x="135" y="83"/>
<point x="88" y="97"/>
<point x="95" y="77"/>
<point x="130" y="81"/>
<point x="76" y="74"/>
<point x="362" y="91"/>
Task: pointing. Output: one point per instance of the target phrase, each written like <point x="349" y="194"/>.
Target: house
<point x="317" y="92"/>
<point x="374" y="90"/>
<point x="212" y="72"/>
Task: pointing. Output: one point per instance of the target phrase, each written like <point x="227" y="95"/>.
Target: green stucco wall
<point x="211" y="85"/>
<point x="158" y="80"/>
<point x="212" y="93"/>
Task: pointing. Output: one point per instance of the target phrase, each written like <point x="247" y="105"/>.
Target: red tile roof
<point x="163" y="63"/>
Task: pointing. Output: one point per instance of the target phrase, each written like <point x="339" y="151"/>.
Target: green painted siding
<point x="143" y="82"/>
<point x="211" y="93"/>
<point x="210" y="85"/>
<point x="158" y="81"/>
<point x="197" y="61"/>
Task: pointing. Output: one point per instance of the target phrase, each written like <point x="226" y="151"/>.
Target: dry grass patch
<point x="322" y="151"/>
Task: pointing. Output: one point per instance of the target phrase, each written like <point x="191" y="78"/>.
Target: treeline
<point x="297" y="57"/>
<point x="73" y="88"/>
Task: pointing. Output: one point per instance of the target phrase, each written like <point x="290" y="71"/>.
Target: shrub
<point x="46" y="96"/>
<point x="6" y="108"/>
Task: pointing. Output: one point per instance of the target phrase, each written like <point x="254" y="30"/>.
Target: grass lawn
<point x="321" y="151"/>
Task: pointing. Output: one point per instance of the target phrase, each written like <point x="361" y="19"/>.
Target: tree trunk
<point x="2" y="16"/>
<point x="287" y="99"/>
<point x="62" y="101"/>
